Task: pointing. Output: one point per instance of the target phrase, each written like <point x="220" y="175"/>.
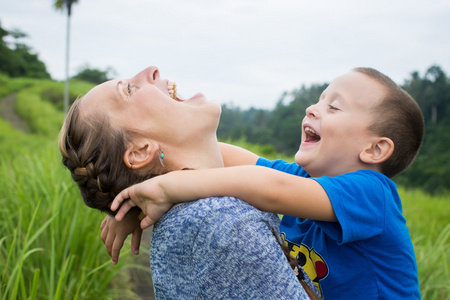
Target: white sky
<point x="245" y="52"/>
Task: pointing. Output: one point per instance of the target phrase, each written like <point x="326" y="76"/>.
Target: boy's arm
<point x="264" y="188"/>
<point x="236" y="156"/>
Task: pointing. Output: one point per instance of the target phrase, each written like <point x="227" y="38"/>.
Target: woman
<point x="125" y="131"/>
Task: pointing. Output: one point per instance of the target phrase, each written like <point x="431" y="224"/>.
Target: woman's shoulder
<point x="222" y="209"/>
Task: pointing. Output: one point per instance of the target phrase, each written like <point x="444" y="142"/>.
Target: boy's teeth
<point x="310" y="130"/>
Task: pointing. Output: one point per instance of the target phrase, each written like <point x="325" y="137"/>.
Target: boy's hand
<point x="148" y="196"/>
<point x="114" y="234"/>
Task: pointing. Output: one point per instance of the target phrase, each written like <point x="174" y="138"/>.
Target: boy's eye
<point x="332" y="107"/>
<point x="129" y="88"/>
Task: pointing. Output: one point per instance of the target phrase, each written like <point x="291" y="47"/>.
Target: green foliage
<point x="50" y="246"/>
<point x="94" y="76"/>
<point x="52" y="91"/>
<point x="267" y="151"/>
<point x="430" y="171"/>
<point x="20" y="61"/>
<point x="41" y="116"/>
<point x="11" y="85"/>
<point x="428" y="219"/>
<point x="40" y="104"/>
<point x="64" y="5"/>
<point x="4" y="85"/>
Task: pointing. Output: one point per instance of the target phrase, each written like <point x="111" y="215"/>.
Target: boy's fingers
<point x="123" y="195"/>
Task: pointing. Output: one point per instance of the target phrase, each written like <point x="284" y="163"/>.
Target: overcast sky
<point x="245" y="52"/>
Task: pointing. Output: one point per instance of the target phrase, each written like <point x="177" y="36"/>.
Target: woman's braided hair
<point x="93" y="150"/>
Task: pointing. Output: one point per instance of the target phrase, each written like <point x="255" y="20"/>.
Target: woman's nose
<point x="150" y="74"/>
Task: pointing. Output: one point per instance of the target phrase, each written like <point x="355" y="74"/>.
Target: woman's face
<point x="144" y="103"/>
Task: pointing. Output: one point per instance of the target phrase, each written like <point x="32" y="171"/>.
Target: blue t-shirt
<point x="220" y="248"/>
<point x="368" y="253"/>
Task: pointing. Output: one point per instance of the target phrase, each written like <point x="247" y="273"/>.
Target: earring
<point x="161" y="157"/>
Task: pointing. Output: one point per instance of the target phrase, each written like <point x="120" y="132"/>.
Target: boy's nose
<point x="311" y="111"/>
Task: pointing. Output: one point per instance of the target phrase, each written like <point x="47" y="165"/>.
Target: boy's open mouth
<point x="311" y="135"/>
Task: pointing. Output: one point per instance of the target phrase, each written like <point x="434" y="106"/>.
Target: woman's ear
<point x="378" y="151"/>
<point x="139" y="155"/>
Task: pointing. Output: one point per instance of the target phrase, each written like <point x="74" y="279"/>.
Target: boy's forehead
<point x="357" y="88"/>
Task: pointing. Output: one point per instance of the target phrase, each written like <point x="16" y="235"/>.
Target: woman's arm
<point x="264" y="188"/>
<point x="114" y="234"/>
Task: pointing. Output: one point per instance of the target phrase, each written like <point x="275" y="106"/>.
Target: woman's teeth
<point x="172" y="87"/>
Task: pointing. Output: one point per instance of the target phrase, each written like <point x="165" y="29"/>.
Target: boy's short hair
<point x="398" y="117"/>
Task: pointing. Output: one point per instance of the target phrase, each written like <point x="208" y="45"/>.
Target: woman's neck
<point x="204" y="155"/>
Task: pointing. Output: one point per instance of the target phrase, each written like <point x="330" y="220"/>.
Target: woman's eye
<point x="129" y="89"/>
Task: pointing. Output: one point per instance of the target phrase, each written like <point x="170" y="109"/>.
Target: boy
<point x="343" y="216"/>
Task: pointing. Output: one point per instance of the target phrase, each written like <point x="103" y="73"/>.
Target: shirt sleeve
<point x="236" y="256"/>
<point x="283" y="166"/>
<point x="358" y="200"/>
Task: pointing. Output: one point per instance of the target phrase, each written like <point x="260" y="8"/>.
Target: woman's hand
<point x="114" y="234"/>
<point x="148" y="196"/>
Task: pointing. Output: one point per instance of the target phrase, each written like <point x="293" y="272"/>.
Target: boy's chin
<point x="303" y="158"/>
<point x="298" y="157"/>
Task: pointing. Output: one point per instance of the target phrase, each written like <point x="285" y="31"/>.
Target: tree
<point x="20" y="61"/>
<point x="62" y="5"/>
<point x="17" y="34"/>
<point x="95" y="76"/>
<point x="432" y="93"/>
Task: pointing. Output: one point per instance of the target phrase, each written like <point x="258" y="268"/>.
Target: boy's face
<point x="335" y="129"/>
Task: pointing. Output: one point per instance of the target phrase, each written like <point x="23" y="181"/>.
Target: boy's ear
<point x="378" y="151"/>
<point x="139" y="155"/>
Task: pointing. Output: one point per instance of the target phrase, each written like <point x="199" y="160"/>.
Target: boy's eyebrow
<point x="335" y="95"/>
<point x="322" y="95"/>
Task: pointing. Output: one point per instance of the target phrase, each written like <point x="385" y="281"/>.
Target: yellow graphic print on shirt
<point x="311" y="261"/>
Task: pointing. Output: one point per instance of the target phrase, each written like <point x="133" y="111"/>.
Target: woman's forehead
<point x="99" y="96"/>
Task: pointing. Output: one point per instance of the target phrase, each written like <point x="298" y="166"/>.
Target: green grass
<point x="50" y="246"/>
<point x="429" y="224"/>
